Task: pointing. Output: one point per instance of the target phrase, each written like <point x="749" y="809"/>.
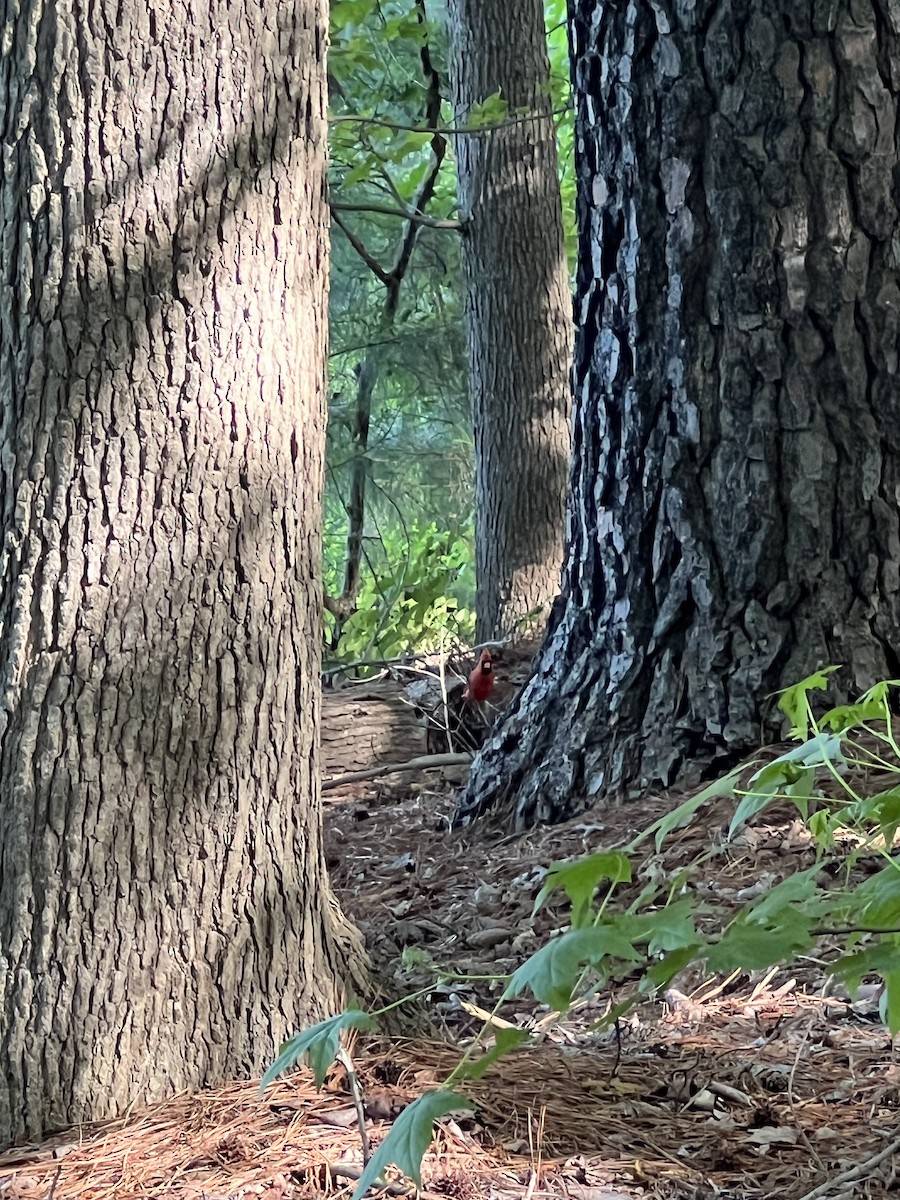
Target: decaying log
<point x="364" y="724"/>
<point x="374" y="726"/>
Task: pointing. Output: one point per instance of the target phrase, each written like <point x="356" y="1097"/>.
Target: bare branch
<point x="404" y="215"/>
<point x="469" y="131"/>
<point x="371" y="262"/>
<point x="339" y="606"/>
<point x="438" y="151"/>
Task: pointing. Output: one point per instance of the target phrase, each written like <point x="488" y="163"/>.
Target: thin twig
<point x="387" y="210"/>
<point x="423" y="762"/>
<point x="406" y="660"/>
<point x="402" y="660"/>
<point x="469" y="131"/>
<point x="857" y="1171"/>
<point x="444" y="700"/>
<point x="359" y="246"/>
<point x="346" y="1171"/>
<point x="346" y="1062"/>
<point x="56" y="1176"/>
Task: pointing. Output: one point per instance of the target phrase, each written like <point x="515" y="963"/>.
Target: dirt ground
<point x="741" y="1087"/>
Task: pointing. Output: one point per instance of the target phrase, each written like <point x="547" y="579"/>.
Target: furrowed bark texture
<point x="518" y="308"/>
<point x="734" y="517"/>
<point x="165" y="919"/>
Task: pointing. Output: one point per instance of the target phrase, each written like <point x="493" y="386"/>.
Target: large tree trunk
<point x="734" y="516"/>
<point x="518" y="307"/>
<point x="164" y="914"/>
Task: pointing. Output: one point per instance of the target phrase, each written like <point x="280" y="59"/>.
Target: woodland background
<point x="612" y="355"/>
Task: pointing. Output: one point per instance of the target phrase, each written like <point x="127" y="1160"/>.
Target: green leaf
<point x="505" y="1040"/>
<point x="752" y="947"/>
<point x="319" y="1043"/>
<point x="884" y="810"/>
<point x="493" y="110"/>
<point x="409" y="1138"/>
<point x="665" y="929"/>
<point x="796" y="889"/>
<point x="877" y="900"/>
<point x="882" y="958"/>
<point x="580" y="879"/>
<point x="660" y="974"/>
<point x="406" y="144"/>
<point x="553" y="971"/>
<point x="872" y="705"/>
<point x="817" y="751"/>
<point x="610" y="1018"/>
<point x="890" y="1001"/>
<point x="753" y="803"/>
<point x="822" y="826"/>
<point x="683" y="814"/>
<point x="793" y="770"/>
<point x="794" y="701"/>
<point x="364" y="170"/>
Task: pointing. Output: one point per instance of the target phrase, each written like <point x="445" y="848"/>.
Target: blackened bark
<point x="518" y="308"/>
<point x="733" y="522"/>
<point x="165" y="918"/>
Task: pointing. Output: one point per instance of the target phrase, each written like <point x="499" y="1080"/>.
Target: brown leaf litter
<point x="756" y="1085"/>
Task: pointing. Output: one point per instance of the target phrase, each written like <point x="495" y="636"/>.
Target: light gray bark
<point x="734" y="517"/>
<point x="165" y="919"/>
<point x="518" y="308"/>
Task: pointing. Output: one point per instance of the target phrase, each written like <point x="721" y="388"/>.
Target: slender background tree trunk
<point x="734" y="517"/>
<point x="518" y="307"/>
<point x="165" y="919"/>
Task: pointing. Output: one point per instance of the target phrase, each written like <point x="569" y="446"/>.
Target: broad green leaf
<point x="493" y="110"/>
<point x="889" y="1007"/>
<point x="876" y="901"/>
<point x="802" y="790"/>
<point x="505" y="1040"/>
<point x="553" y="971"/>
<point x="884" y="810"/>
<point x="873" y="705"/>
<point x="647" y="896"/>
<point x="319" y="1043"/>
<point x="363" y="170"/>
<point x="796" y="889"/>
<point x="408" y="143"/>
<point x="882" y="958"/>
<point x="660" y="974"/>
<point x="668" y="928"/>
<point x="409" y="1137"/>
<point x="817" y="751"/>
<point x="796" y="767"/>
<point x="751" y="804"/>
<point x="879" y="693"/>
<point x="581" y="877"/>
<point x="794" y="701"/>
<point x="751" y="947"/>
<point x="683" y="814"/>
<point x="822" y="825"/>
<point x="349" y="12"/>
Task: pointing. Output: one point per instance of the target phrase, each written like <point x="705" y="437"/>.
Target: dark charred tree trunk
<point x="165" y="918"/>
<point x="733" y="521"/>
<point x="518" y="308"/>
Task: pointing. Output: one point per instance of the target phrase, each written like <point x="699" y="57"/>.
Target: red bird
<point x="481" y="681"/>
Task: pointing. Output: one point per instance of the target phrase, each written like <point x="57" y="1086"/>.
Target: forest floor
<point x="753" y="1086"/>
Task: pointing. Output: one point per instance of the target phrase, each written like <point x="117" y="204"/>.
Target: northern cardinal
<point x="481" y="681"/>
